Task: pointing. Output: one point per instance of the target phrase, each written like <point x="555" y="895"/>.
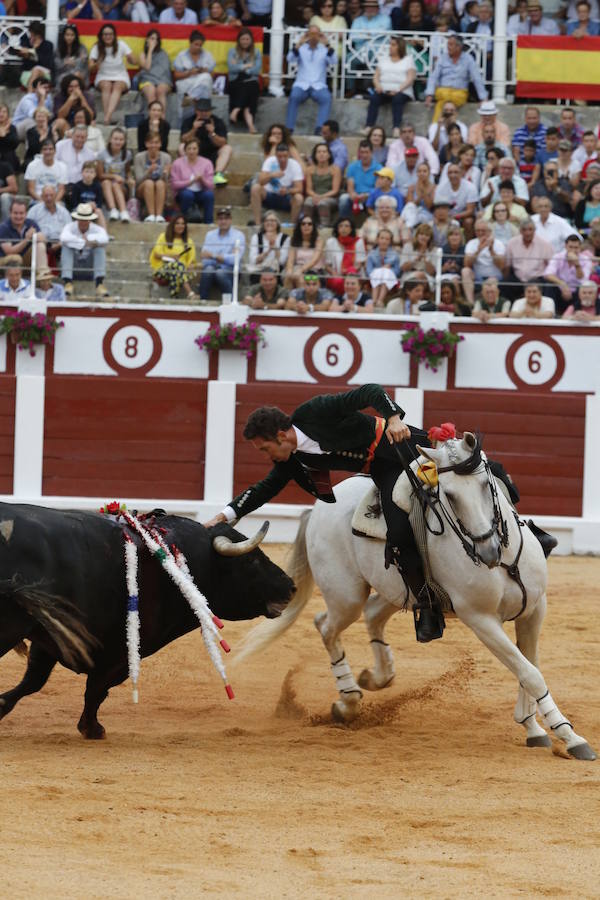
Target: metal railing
<point x="13" y="34"/>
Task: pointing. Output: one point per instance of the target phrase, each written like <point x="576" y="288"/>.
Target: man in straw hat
<point x="83" y="244"/>
<point x="48" y="288"/>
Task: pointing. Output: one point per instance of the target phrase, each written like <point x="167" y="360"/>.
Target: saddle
<point x="368" y="520"/>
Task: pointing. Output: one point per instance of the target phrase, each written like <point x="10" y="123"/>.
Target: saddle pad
<point x="364" y="521"/>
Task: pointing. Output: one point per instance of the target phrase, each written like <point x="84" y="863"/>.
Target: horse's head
<point x="468" y="491"/>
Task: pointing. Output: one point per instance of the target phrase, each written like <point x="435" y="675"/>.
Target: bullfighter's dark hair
<point x="265" y="422"/>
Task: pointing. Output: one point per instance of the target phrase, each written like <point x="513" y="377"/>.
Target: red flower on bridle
<point x="440" y="433"/>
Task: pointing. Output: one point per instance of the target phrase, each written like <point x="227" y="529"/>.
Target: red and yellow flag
<point x="174" y="38"/>
<point x="558" y="68"/>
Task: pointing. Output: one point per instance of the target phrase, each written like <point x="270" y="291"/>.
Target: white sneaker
<point x="159" y="219"/>
<point x="113" y="215"/>
<point x="125" y="216"/>
<point x="150" y="219"/>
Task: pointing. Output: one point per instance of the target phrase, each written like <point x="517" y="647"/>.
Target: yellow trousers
<point x="458" y="96"/>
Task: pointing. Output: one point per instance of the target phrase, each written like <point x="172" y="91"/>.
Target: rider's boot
<point x="428" y="615"/>
<point x="548" y="541"/>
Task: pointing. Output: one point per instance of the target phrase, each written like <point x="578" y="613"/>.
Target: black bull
<point x="62" y="587"/>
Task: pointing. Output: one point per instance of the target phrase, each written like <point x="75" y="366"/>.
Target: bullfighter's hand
<point x="396" y="430"/>
<point x="215" y="520"/>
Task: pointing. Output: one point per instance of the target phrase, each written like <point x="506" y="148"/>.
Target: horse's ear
<point x="431" y="453"/>
<point x="469" y="441"/>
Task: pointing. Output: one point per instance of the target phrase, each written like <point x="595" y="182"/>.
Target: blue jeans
<point x="210" y="273"/>
<point x="205" y="199"/>
<point x="69" y="258"/>
<point x="398" y="102"/>
<point x="300" y="95"/>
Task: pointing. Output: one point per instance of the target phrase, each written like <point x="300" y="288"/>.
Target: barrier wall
<point x="125" y="406"/>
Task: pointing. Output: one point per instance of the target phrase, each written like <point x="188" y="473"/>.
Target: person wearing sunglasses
<point x="311" y="297"/>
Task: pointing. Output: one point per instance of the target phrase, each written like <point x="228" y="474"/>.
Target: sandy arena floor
<point x="433" y="794"/>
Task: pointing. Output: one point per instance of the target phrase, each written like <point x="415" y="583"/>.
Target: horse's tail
<point x="298" y="568"/>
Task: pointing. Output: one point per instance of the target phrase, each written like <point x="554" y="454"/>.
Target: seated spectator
<point x="461" y="195"/>
<point x="37" y="134"/>
<point x="384" y="188"/>
<point x="539" y="24"/>
<point x="420" y="253"/>
<point x="257" y="12"/>
<point x="558" y="190"/>
<point x="528" y="168"/>
<point x="412" y="186"/>
<point x="518" y="22"/>
<point x="9" y="140"/>
<point x="438" y="131"/>
<point x="587" y="306"/>
<point x="94" y="141"/>
<point x="554" y="229"/>
<point x="393" y="81"/>
<point x="588" y="208"/>
<point x="70" y="56"/>
<point x="441" y="222"/>
<point x="532" y="130"/>
<point x="410" y="16"/>
<point x="89" y="190"/>
<point x="366" y="49"/>
<point x="306" y="252"/>
<point x="323" y="182"/>
<point x="453" y="253"/>
<point x="172" y="256"/>
<point x="488" y="115"/>
<point x="244" y="65"/>
<point x="502" y="228"/>
<point x="37" y="55"/>
<point x="386" y="216"/>
<point x="46" y="169"/>
<point x="267" y="294"/>
<point x="38" y="94"/>
<point x="360" y="181"/>
<point x="16" y="234"/>
<point x="506" y="172"/>
<point x="211" y="133"/>
<point x="152" y="169"/>
<point x="484" y="257"/>
<point x="344" y="252"/>
<point x="8" y="189"/>
<point x="107" y="61"/>
<point x="155" y="79"/>
<point x="377" y="138"/>
<point x="73" y="153"/>
<point x="550" y="149"/>
<point x="451" y="299"/>
<point x="490" y="305"/>
<point x="278" y="134"/>
<point x="109" y="9"/>
<point x="533" y="305"/>
<point x="407" y="140"/>
<point x="483" y="149"/>
<point x="451" y="76"/>
<point x="516" y="212"/>
<point x="450" y="150"/>
<point x="587" y="151"/>
<point x="50" y="217"/>
<point x="569" y="128"/>
<point x="114" y="172"/>
<point x="408" y="303"/>
<point x="526" y="258"/>
<point x="154" y="124"/>
<point x="192" y="180"/>
<point x="383" y="267"/>
<point x="83" y="248"/>
<point x="13" y="284"/>
<point x="218" y="15"/>
<point x="566" y="270"/>
<point x="311" y="297"/>
<point x="193" y="68"/>
<point x="218" y="254"/>
<point x="178" y="14"/>
<point x="269" y="247"/>
<point x="583" y="26"/>
<point x="312" y="55"/>
<point x="279" y="185"/>
<point x="353" y="298"/>
<point x="465" y="162"/>
<point x="568" y="168"/>
<point x="68" y="101"/>
<point x="48" y="288"/>
<point x="330" y="132"/>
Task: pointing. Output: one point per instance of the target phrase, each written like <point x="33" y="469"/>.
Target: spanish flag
<point x="558" y="68"/>
<point x="174" y="38"/>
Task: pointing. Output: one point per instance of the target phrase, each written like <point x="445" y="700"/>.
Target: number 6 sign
<point x="132" y="348"/>
<point x="332" y="356"/>
<point x="535" y="363"/>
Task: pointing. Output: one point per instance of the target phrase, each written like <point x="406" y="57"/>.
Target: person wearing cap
<point x="537" y="23"/>
<point x="408" y="138"/>
<point x="211" y="133"/>
<point x="83" y="246"/>
<point x="218" y="254"/>
<point x="13" y="284"/>
<point x="405" y="174"/>
<point x="384" y="187"/>
<point x="566" y="270"/>
<point x="268" y="293"/>
<point x="193" y="68"/>
<point x="312" y="55"/>
<point x="48" y="288"/>
<point x="393" y="81"/>
<point x="451" y="76"/>
<point x="488" y="115"/>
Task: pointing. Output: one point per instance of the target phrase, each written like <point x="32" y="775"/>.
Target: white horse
<point x="476" y="518"/>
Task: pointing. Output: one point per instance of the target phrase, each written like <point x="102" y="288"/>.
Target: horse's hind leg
<point x="377" y="613"/>
<point x="528" y="632"/>
<point x="39" y="667"/>
<point x="340" y="614"/>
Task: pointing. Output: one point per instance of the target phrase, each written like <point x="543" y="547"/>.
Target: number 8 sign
<point x="538" y="363"/>
<point x="132" y="347"/>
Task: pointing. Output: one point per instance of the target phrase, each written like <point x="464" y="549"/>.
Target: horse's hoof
<point x="540" y="740"/>
<point x="582" y="751"/>
<point x="366" y="680"/>
<point x="340" y="712"/>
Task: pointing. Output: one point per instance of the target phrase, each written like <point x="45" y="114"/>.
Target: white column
<point x="591" y="481"/>
<point x="220" y="443"/>
<point x="52" y="20"/>
<point x="276" y="50"/>
<point x="29" y="424"/>
<point x="500" y="54"/>
<point x="412" y="402"/>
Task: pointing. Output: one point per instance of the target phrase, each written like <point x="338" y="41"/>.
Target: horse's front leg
<point x="527" y="629"/>
<point x="377" y="613"/>
<point x="489" y="631"/>
<point x="340" y="614"/>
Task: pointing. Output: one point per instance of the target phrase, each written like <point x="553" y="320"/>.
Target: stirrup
<point x="548" y="541"/>
<point x="429" y="621"/>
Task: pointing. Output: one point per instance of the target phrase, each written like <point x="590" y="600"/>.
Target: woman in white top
<point x="269" y="247"/>
<point x="107" y="61"/>
<point x="392" y="81"/>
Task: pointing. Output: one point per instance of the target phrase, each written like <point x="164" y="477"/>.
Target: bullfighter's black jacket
<point x="336" y="423"/>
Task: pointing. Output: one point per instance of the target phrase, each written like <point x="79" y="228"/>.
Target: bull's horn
<point x="227" y="547"/>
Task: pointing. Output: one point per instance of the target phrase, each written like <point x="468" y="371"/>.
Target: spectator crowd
<point x="511" y="219"/>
